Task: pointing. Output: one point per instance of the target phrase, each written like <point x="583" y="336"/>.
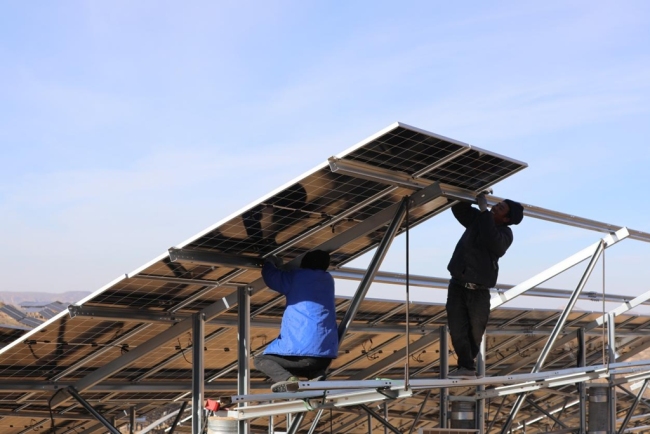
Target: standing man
<point x="474" y="268"/>
<point x="308" y="339"/>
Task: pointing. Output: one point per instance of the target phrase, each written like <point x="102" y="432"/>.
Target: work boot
<point x="289" y="385"/>
<point x="463" y="373"/>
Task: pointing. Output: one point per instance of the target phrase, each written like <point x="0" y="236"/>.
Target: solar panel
<point x="119" y="348"/>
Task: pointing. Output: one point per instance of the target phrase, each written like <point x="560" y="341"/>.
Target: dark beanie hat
<point x="316" y="260"/>
<point x="516" y="213"/>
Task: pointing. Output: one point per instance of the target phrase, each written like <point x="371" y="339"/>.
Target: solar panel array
<point x="135" y="310"/>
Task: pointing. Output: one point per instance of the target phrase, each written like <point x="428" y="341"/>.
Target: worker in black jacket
<point x="474" y="268"/>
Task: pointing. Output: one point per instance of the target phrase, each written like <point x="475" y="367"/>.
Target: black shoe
<point x="290" y="385"/>
<point x="463" y="373"/>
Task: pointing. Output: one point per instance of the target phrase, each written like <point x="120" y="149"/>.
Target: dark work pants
<point x="280" y="368"/>
<point x="468" y="311"/>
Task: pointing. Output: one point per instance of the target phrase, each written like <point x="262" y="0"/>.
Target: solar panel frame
<point x="302" y="214"/>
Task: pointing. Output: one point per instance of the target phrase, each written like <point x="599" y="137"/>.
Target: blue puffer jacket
<point x="309" y="320"/>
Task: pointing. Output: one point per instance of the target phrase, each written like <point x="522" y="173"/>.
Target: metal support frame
<point x="132" y="419"/>
<point x="197" y="256"/>
<point x="407" y="302"/>
<point x="383" y="217"/>
<point x="71" y="390"/>
<point x="376" y="261"/>
<point x="543" y="411"/>
<point x="385" y="408"/>
<point x="314" y="423"/>
<point x="407" y="345"/>
<point x="611" y="357"/>
<point x="630" y="412"/>
<point x="304" y="401"/>
<point x="558" y="268"/>
<point x="582" y="387"/>
<point x="395" y="358"/>
<point x="178" y="417"/>
<point x="404" y="180"/>
<point x="393" y="278"/>
<point x="243" y="348"/>
<point x="444" y="371"/>
<point x="479" y="410"/>
<point x="295" y="423"/>
<point x="417" y="418"/>
<point x="624" y="307"/>
<point x="198" y="373"/>
<point x="557" y="329"/>
<point x="378" y="417"/>
<point x="611" y="337"/>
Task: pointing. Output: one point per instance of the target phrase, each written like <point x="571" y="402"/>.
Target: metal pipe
<point x="479" y="417"/>
<point x="408" y="352"/>
<point x="243" y="348"/>
<point x="378" y="417"/>
<point x="178" y="417"/>
<point x="376" y="261"/>
<point x="132" y="420"/>
<point x="198" y="335"/>
<point x="295" y="423"/>
<point x="417" y="418"/>
<point x="312" y="428"/>
<point x="630" y="412"/>
<point x="556" y="331"/>
<point x="582" y="387"/>
<point x="444" y="371"/>
<point x="73" y="392"/>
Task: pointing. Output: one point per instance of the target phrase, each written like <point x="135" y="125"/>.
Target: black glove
<point x="277" y="262"/>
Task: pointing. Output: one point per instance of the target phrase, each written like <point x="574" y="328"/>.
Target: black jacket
<point x="476" y="257"/>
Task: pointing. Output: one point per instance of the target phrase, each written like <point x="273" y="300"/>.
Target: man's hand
<point x="277" y="262"/>
<point x="481" y="201"/>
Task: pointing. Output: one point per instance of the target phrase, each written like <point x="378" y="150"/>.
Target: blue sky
<point x="128" y="127"/>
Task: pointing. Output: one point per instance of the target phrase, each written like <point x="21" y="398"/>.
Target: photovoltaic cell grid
<point x="363" y="353"/>
<point x="300" y="217"/>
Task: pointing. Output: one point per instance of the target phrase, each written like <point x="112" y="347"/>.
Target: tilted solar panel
<point x="343" y="205"/>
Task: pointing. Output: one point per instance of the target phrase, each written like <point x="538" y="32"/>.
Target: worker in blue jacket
<point x="308" y="340"/>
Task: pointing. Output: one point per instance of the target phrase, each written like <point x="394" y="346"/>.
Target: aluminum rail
<point x="556" y="331"/>
<point x="404" y="180"/>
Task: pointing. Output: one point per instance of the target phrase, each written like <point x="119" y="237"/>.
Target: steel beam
<point x="178" y="417"/>
<point x="206" y="257"/>
<point x="317" y="400"/>
<point x="558" y="268"/>
<point x="479" y="410"/>
<point x="91" y="410"/>
<point x="630" y="412"/>
<point x="376" y="261"/>
<point x="378" y="417"/>
<point x="198" y="381"/>
<point x="314" y="423"/>
<point x="556" y="331"/>
<point x="243" y="349"/>
<point x="295" y="423"/>
<point x="372" y="223"/>
<point x="548" y="414"/>
<point x="626" y="306"/>
<point x="395" y="358"/>
<point x="444" y="371"/>
<point x="582" y="387"/>
<point x="132" y="420"/>
<point x="404" y="180"/>
<point x="417" y="417"/>
<point x="394" y="278"/>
